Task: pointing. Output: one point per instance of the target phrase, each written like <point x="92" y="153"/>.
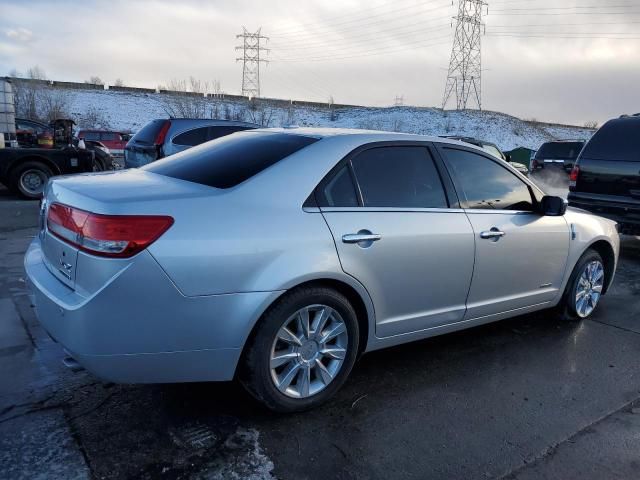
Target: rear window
<point x="617" y="140"/>
<point x="230" y="160"/>
<point x="560" y="150"/>
<point x="149" y="132"/>
<point x="109" y="136"/>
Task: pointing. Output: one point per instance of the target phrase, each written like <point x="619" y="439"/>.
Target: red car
<point x="114" y="141"/>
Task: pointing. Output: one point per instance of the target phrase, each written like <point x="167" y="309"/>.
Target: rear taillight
<point x="118" y="236"/>
<point x="573" y="176"/>
<point x="162" y="133"/>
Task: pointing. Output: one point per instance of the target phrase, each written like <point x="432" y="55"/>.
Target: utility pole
<point x="399" y="101"/>
<point x="251" y="50"/>
<point x="464" y="75"/>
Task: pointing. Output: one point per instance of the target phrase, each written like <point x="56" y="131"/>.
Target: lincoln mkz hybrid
<point x="279" y="256"/>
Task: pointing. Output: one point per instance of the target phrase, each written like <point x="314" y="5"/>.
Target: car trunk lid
<point x="83" y="259"/>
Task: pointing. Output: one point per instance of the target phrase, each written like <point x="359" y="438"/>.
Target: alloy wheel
<point x="589" y="288"/>
<point x="308" y="351"/>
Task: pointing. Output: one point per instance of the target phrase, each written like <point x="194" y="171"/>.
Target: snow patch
<point x="130" y="111"/>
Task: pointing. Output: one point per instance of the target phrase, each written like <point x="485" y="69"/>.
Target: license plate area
<point x="61" y="259"/>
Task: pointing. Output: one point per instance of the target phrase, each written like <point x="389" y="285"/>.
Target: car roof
<point x="209" y="120"/>
<point x="99" y="130"/>
<point x="364" y="135"/>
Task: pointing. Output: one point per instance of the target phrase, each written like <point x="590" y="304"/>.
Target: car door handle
<point x="360" y="237"/>
<point x="493" y="233"/>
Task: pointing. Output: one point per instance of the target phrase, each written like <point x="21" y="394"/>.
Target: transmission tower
<point x="251" y="50"/>
<point x="399" y="101"/>
<point x="464" y="76"/>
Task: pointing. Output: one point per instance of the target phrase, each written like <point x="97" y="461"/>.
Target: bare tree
<point x="93" y="118"/>
<point x="189" y="99"/>
<point x="53" y="104"/>
<point x="259" y="113"/>
<point x="94" y="80"/>
<point x="28" y="92"/>
<point x="118" y="83"/>
<point x="333" y="116"/>
<point x="216" y="88"/>
<point x="593" y="124"/>
<point x="36" y="73"/>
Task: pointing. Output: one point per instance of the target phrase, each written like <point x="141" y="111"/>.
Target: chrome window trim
<point x="391" y="209"/>
<point x="471" y="211"/>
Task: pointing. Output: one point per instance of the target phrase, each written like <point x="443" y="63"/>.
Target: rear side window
<point x="486" y="184"/>
<point x="560" y="150"/>
<point x="340" y="190"/>
<point x="230" y="160"/>
<point x="617" y="140"/>
<point x="192" y="137"/>
<point x="149" y="132"/>
<point x="221" y="131"/>
<point x="402" y="177"/>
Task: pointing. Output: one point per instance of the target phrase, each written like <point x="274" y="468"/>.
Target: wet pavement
<point x="523" y="398"/>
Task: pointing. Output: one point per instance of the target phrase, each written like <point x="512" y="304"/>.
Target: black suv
<point x="606" y="177"/>
<point x="561" y="153"/>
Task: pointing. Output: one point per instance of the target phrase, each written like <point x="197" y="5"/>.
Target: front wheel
<point x="302" y="351"/>
<point x="584" y="288"/>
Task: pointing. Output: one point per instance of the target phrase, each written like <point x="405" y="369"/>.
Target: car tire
<point x="30" y="178"/>
<point x="584" y="290"/>
<point x="300" y="382"/>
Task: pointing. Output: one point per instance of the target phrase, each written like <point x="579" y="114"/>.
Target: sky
<point x="567" y="61"/>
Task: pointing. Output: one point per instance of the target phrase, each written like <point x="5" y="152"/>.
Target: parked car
<point x="163" y="137"/>
<point x="278" y="256"/>
<point x="33" y="134"/>
<point x="606" y="176"/>
<point x="494" y="150"/>
<point x="103" y="160"/>
<point x="560" y="153"/>
<point x="113" y="140"/>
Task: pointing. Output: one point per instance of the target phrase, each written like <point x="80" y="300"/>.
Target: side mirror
<point x="553" y="206"/>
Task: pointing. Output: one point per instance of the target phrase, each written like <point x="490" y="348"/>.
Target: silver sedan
<point x="279" y="256"/>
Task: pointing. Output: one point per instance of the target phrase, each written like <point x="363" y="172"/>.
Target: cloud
<point x="357" y="51"/>
<point x="19" y="35"/>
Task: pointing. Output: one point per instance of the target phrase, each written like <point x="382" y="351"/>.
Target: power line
<point x="380" y="51"/>
<point x="564" y="36"/>
<point x="251" y="60"/>
<point x="330" y="29"/>
<point x="332" y="24"/>
<point x="307" y="48"/>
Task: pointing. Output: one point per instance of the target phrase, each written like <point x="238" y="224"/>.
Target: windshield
<point x="560" y="150"/>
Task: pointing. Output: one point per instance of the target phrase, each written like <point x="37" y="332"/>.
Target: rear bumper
<point x="627" y="215"/>
<point x="140" y="329"/>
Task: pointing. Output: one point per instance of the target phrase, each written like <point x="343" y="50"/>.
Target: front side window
<point x="401" y="177"/>
<point x="486" y="184"/>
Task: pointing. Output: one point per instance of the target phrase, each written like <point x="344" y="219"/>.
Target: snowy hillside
<point x="130" y="111"/>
